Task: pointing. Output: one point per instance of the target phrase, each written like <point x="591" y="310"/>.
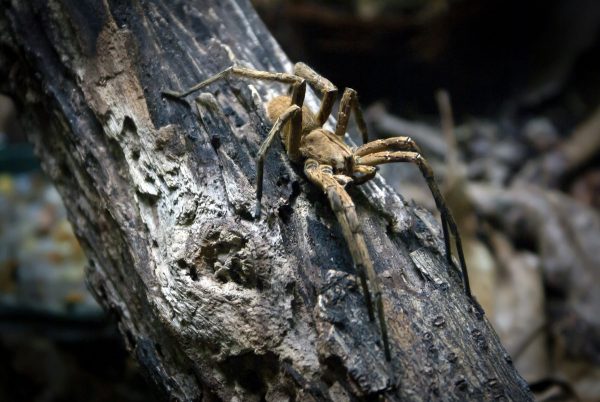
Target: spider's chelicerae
<point x="331" y="164"/>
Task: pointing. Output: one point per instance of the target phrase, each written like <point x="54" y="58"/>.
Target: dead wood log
<point x="216" y="305"/>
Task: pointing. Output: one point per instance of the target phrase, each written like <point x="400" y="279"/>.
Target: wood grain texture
<point x="216" y="305"/>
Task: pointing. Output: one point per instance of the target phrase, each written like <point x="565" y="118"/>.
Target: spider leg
<point x="295" y="133"/>
<point x="349" y="103"/>
<point x="294" y="137"/>
<point x="323" y="85"/>
<point x="343" y="207"/>
<point x="400" y="143"/>
<point x="242" y="72"/>
<point x="366" y="173"/>
<point x="297" y="96"/>
<point x="448" y="222"/>
<point x="288" y="115"/>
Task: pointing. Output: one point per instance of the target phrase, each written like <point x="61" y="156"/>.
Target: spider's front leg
<point x="377" y="152"/>
<point x="348" y="104"/>
<point x="289" y="115"/>
<point x="284" y="78"/>
<point x="292" y="115"/>
<point x="321" y="84"/>
<point x="343" y="207"/>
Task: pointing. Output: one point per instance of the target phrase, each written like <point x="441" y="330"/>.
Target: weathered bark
<point x="214" y="304"/>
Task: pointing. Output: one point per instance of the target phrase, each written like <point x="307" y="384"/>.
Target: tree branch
<point x="214" y="304"/>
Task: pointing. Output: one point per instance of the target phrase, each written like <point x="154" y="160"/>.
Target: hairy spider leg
<point x="298" y="91"/>
<point x="378" y="158"/>
<point x="321" y="84"/>
<point x="402" y="143"/>
<point x="294" y="135"/>
<point x="242" y="72"/>
<point x="288" y="115"/>
<point x="345" y="212"/>
<point x="349" y="103"/>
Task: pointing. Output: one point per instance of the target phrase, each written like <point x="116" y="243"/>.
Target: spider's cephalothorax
<point x="321" y="145"/>
<point x="331" y="164"/>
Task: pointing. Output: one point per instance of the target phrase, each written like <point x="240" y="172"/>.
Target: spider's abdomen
<point x="278" y="105"/>
<point x="327" y="149"/>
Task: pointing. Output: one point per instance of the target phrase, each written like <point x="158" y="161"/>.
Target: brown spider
<point x="331" y="164"/>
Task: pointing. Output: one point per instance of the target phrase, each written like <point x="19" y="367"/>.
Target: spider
<point x="331" y="164"/>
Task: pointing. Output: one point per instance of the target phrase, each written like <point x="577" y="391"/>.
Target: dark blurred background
<point x="516" y="85"/>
